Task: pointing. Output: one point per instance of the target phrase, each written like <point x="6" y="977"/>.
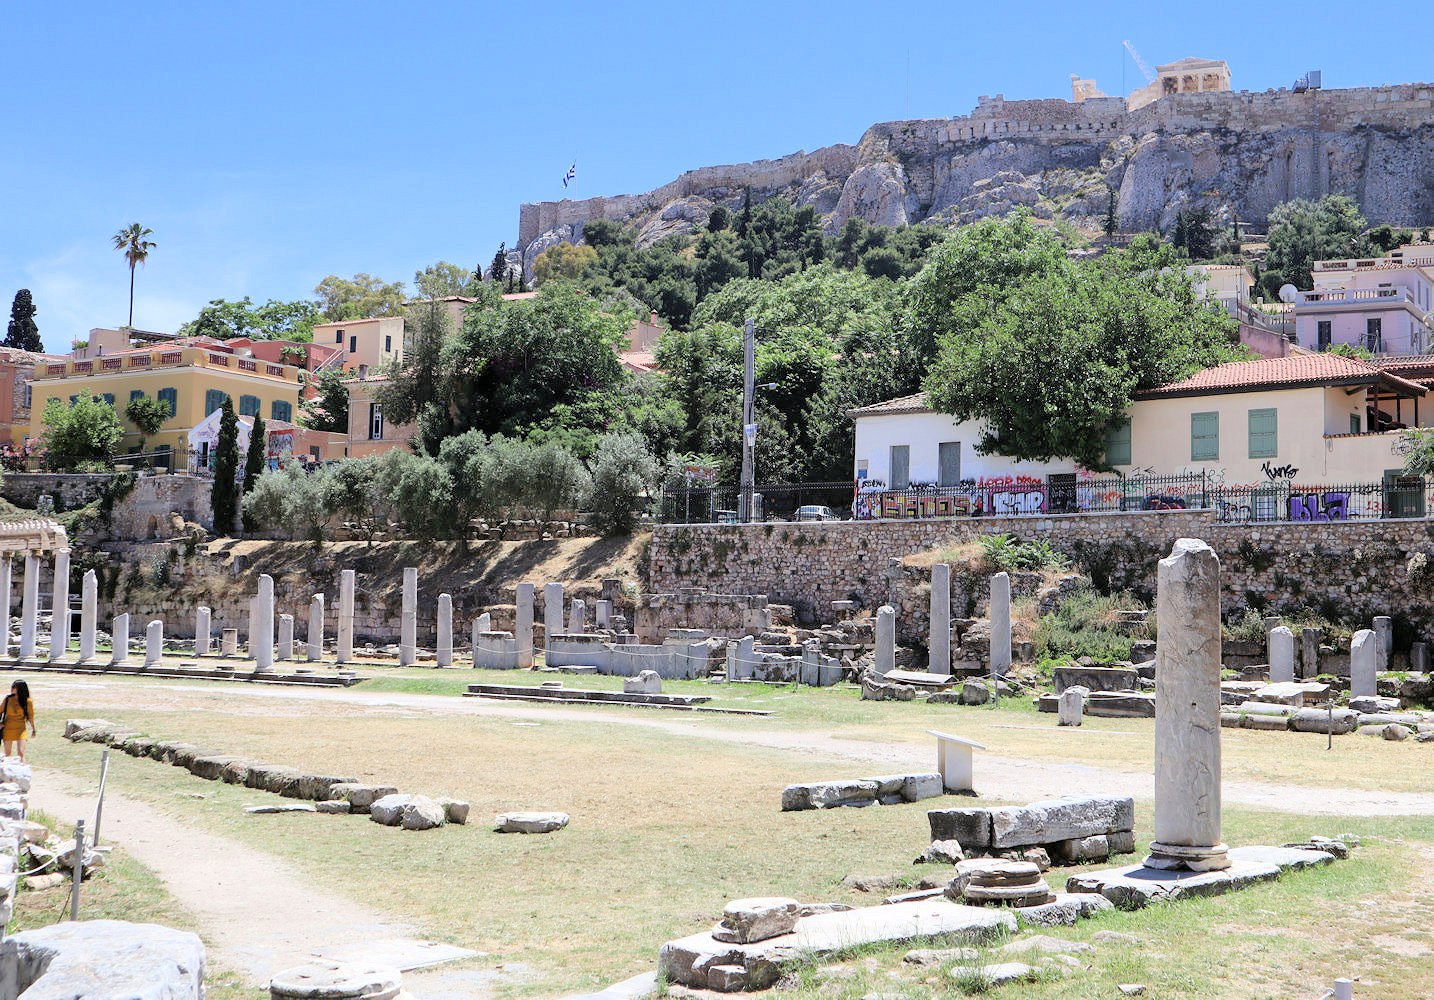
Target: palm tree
<point x="136" y="250"/>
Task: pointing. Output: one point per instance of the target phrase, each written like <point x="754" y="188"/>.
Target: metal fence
<point x="1026" y="496"/>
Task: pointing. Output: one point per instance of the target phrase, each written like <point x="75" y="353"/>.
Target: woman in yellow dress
<point x="17" y="711"/>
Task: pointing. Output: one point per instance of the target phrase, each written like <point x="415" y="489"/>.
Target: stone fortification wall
<point x="1237" y="149"/>
<point x="1346" y="571"/>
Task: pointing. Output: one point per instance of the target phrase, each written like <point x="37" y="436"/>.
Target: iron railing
<point x="1027" y="496"/>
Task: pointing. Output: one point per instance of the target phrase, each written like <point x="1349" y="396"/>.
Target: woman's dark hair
<point x="22" y="692"/>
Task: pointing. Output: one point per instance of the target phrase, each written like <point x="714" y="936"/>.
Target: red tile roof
<point x="903" y="404"/>
<point x="1294" y="372"/>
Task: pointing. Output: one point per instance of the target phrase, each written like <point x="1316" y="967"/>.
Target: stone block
<point x="103" y="960"/>
<point x="530" y="822"/>
<point x="1071" y="817"/>
<point x="1095" y="678"/>
<point x="830" y="794"/>
<point x="969" y="827"/>
<point x="748" y="920"/>
<point x="338" y="807"/>
<point x="455" y="811"/>
<point x="361" y="796"/>
<point x="421" y="813"/>
<point x="916" y="787"/>
<point x="1319" y="720"/>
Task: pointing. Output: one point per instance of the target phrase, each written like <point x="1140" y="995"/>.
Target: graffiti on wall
<point x="1319" y="507"/>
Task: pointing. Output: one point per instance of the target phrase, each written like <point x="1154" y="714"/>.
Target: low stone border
<point x="182" y="673"/>
<point x="886" y="790"/>
<point x="289" y="782"/>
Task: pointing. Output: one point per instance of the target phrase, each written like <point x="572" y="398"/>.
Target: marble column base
<point x="1181" y="857"/>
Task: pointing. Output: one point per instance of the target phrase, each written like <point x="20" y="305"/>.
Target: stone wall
<point x="68" y="490"/>
<point x="1347" y="571"/>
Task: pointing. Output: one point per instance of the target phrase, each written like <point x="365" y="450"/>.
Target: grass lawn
<point x="668" y="826"/>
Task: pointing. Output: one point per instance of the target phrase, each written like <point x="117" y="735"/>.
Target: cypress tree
<point x="254" y="461"/>
<point x="225" y="499"/>
<point x="1111" y="223"/>
<point x="500" y="265"/>
<point x="23" y="334"/>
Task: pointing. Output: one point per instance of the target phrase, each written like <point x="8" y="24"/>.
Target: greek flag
<point x="572" y="173"/>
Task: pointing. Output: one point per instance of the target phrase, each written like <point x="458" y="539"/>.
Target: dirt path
<point x="1009" y="777"/>
<point x="255" y="912"/>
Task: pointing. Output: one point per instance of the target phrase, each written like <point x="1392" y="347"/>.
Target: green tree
<point x="255" y="458"/>
<point x="1112" y="221"/>
<point x="718" y="219"/>
<point x="224" y="500"/>
<point x="1302" y="232"/>
<point x="498" y="270"/>
<point x="132" y="243"/>
<point x="148" y="416"/>
<point x="86" y="431"/>
<point x="361" y="297"/>
<point x="274" y="320"/>
<point x="1054" y="369"/>
<point x="354" y="492"/>
<point x="557" y="480"/>
<point x="1417" y="446"/>
<point x="623" y="471"/>
<point x="565" y="260"/>
<point x="330" y="411"/>
<point x="293" y="500"/>
<point x="421" y="491"/>
<point x="23" y="334"/>
<point x="415" y="386"/>
<point x="442" y="279"/>
<point x="1386" y="238"/>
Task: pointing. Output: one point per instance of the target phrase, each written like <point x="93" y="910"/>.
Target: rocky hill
<point x="1236" y="153"/>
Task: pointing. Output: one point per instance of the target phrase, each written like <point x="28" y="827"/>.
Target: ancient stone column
<point x="154" y="643"/>
<point x="1272" y="622"/>
<point x="1282" y="655"/>
<point x="286" y="638"/>
<point x="523" y="625"/>
<point x="444" y="646"/>
<point x="1363" y="663"/>
<point x="1419" y="657"/>
<point x="251" y="637"/>
<point x="552" y="611"/>
<point x="344" y="651"/>
<point x="1384" y="632"/>
<point x="484" y="622"/>
<point x="1000" y="625"/>
<point x="261" y="645"/>
<point x="578" y="617"/>
<point x="30" y="607"/>
<point x="5" y="568"/>
<point x="229" y="642"/>
<point x="60" y="607"/>
<point x="746" y="657"/>
<point x="119" y="640"/>
<point x="940" y="662"/>
<point x="602" y="613"/>
<point x="89" y="611"/>
<point x="315" y="645"/>
<point x="408" y="623"/>
<point x="885" y="639"/>
<point x="201" y="631"/>
<point x="1187" y="711"/>
<point x="1309" y="653"/>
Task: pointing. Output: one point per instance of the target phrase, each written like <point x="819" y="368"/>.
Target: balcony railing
<point x="1336" y="296"/>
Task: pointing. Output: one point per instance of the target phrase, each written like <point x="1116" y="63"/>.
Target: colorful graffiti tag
<point x="1319" y="507"/>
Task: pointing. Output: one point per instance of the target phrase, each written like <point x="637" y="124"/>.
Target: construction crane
<point x="1149" y="76"/>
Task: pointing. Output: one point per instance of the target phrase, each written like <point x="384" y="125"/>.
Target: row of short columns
<point x="262" y="645"/>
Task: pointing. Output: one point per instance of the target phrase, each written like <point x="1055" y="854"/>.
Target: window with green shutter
<point x="248" y="406"/>
<point x="214" y="400"/>
<point x="170" y="398"/>
<point x="1204" y="437"/>
<point x="1263" y="443"/>
<point x="1117" y="446"/>
<point x="1354" y="423"/>
<point x="280" y="410"/>
<point x="136" y="394"/>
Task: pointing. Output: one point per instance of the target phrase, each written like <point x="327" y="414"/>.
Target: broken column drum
<point x="1364" y="664"/>
<point x="1187" y="711"/>
<point x="201" y="631"/>
<point x="1282" y="655"/>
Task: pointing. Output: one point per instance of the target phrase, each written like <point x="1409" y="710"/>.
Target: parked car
<point x="814" y="512"/>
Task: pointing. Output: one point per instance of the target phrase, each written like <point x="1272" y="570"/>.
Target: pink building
<point x="1382" y="304"/>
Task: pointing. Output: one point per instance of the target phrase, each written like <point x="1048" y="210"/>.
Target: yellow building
<point x="367" y="344"/>
<point x="193" y="381"/>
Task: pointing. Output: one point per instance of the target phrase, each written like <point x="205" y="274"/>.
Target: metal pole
<point x="100" y="805"/>
<point x="749" y="376"/>
<point x="78" y="873"/>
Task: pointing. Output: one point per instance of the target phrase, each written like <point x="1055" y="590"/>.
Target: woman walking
<point x="17" y="711"/>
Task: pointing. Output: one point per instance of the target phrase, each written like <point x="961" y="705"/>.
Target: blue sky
<point x="270" y="144"/>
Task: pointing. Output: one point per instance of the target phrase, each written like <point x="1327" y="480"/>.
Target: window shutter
<point x="1117" y="446"/>
<point x="1263" y="437"/>
<point x="1204" y="437"/>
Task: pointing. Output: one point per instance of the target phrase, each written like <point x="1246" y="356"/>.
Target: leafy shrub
<point x="1002" y="552"/>
<point x="1087" y="623"/>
